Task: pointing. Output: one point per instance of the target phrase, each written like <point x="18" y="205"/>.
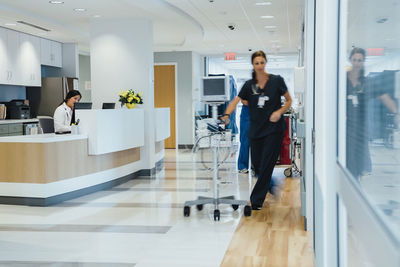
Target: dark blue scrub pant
<point x="243" y="161"/>
<point x="264" y="154"/>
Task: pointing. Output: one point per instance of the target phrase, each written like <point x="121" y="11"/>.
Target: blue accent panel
<point x="10" y="92"/>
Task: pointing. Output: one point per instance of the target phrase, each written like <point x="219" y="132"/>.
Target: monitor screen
<point x="214" y="87"/>
<point x="108" y="105"/>
<point x="83" y="105"/>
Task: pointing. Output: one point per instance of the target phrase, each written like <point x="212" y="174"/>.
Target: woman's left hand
<point x="275" y="116"/>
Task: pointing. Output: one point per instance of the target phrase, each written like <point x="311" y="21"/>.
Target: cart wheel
<point x="216" y="215"/>
<point x="235" y="207"/>
<point x="247" y="211"/>
<point x="199" y="207"/>
<point x="288" y="172"/>
<point x="186" y="211"/>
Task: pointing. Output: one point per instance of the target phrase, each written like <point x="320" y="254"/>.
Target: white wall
<point x="325" y="132"/>
<point x="84" y="77"/>
<point x="122" y="58"/>
<point x="70" y="60"/>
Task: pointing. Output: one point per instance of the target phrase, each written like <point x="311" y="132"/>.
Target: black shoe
<point x="256" y="207"/>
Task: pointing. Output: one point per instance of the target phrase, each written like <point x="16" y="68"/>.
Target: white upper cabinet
<point x="29" y="60"/>
<point x="4" y="74"/>
<point x="51" y="53"/>
<point x="56" y="50"/>
<point x="12" y="56"/>
<point x="21" y="57"/>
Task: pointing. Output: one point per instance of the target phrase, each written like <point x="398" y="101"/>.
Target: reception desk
<point x="47" y="169"/>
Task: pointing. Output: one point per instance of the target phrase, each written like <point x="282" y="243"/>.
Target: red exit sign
<point x="230" y="56"/>
<point x="377" y="51"/>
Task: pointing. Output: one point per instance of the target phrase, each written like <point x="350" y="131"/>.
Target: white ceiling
<point x="179" y="25"/>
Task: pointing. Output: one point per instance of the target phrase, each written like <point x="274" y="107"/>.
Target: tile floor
<point x="139" y="223"/>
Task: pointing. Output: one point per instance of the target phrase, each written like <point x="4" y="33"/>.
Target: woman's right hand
<point x="225" y="119"/>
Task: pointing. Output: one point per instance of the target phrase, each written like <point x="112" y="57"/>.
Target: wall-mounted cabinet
<point x="51" y="53"/>
<point x="19" y="59"/>
<point x="29" y="60"/>
<point x="9" y="45"/>
<point x="3" y="56"/>
<point x="21" y="56"/>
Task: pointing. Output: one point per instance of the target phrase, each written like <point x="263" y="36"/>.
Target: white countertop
<point x="42" y="138"/>
<point x="18" y="121"/>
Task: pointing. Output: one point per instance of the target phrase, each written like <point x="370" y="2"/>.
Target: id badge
<point x="262" y="100"/>
<point x="354" y="100"/>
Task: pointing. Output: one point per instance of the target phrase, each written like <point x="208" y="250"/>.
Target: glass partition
<point x="369" y="93"/>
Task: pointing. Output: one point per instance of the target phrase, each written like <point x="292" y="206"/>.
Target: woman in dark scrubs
<point x="263" y="94"/>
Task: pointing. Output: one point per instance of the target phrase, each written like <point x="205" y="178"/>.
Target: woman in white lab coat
<point x="64" y="115"/>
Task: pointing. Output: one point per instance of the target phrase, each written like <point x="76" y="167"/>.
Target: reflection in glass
<point x="372" y="104"/>
<point x="358" y="159"/>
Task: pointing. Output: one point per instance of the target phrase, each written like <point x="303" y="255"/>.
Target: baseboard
<point x="53" y="200"/>
<point x="185" y="146"/>
<point x="153" y="171"/>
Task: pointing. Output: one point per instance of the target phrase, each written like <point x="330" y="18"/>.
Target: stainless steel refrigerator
<point x="44" y="100"/>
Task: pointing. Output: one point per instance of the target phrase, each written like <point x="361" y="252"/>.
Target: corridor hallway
<point x="141" y="223"/>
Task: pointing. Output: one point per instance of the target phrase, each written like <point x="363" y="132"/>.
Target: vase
<point x="130" y="106"/>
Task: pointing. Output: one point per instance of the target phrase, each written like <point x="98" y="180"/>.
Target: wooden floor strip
<point x="273" y="236"/>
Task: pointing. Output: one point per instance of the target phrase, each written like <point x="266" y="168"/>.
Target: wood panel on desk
<point x="50" y="162"/>
<point x="273" y="236"/>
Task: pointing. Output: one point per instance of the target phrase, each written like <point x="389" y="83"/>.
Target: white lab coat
<point x="62" y="118"/>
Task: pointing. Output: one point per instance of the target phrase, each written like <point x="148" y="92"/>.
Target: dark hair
<point x="253" y="56"/>
<point x="69" y="95"/>
<point x="358" y="50"/>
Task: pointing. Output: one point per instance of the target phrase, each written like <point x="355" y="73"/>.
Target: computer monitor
<point x="108" y="105"/>
<point x="215" y="89"/>
<point x="83" y="105"/>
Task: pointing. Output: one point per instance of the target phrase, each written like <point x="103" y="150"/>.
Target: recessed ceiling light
<point x="263" y="4"/>
<point x="269" y="27"/>
<point x="79" y="9"/>
<point x="10" y="24"/>
<point x="56" y="2"/>
<point x="274" y="41"/>
<point x="96" y="16"/>
<point x="267" y="17"/>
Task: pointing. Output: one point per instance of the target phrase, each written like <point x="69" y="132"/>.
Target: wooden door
<point x="164" y="96"/>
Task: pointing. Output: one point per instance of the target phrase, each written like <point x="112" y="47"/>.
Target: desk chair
<point x="47" y="124"/>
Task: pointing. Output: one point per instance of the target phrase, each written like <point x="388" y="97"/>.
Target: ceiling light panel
<point x="263" y="3"/>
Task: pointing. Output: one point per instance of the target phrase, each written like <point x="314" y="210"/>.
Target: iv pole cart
<point x="211" y="94"/>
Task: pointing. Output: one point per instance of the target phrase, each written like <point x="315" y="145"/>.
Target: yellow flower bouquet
<point x="130" y="98"/>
